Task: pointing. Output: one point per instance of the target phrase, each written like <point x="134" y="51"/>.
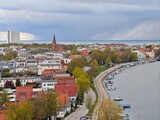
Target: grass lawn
<point x="100" y="69"/>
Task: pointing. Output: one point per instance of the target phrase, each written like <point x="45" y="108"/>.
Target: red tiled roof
<point x="2" y="114"/>
<point x="25" y="91"/>
<point x="39" y="59"/>
<point x="65" y="80"/>
<point x="71" y="89"/>
<point x="49" y="72"/>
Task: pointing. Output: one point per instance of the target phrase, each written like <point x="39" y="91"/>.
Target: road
<point x="81" y="110"/>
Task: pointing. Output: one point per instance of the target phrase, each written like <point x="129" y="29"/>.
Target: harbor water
<point x="139" y="86"/>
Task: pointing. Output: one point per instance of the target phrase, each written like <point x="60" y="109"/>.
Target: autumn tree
<point x="19" y="111"/>
<point x="46" y="105"/>
<point x="92" y="72"/>
<point x="94" y="63"/>
<point x="3" y="97"/>
<point x="109" y="110"/>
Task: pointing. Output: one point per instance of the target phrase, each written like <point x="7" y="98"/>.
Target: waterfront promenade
<point x="102" y="93"/>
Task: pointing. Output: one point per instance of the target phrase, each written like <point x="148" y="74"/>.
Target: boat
<point x="111" y="88"/>
<point x="118" y="99"/>
<point x="125" y="116"/>
<point x="124" y="106"/>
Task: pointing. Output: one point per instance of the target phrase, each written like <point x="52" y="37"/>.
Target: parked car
<point x="84" y="118"/>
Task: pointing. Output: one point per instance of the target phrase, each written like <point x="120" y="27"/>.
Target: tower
<point x="13" y="37"/>
<point x="54" y="43"/>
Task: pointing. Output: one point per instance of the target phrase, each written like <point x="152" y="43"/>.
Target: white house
<point x="48" y="65"/>
<point x="48" y="84"/>
<point x="140" y="54"/>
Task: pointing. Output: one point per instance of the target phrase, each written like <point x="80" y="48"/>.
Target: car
<point x="84" y="118"/>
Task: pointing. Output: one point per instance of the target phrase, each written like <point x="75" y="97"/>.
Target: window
<point x="34" y="95"/>
<point x="22" y="95"/>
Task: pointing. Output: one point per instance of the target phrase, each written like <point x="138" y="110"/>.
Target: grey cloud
<point x="75" y="19"/>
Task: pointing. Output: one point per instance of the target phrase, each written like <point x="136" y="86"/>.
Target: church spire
<point x="54" y="43"/>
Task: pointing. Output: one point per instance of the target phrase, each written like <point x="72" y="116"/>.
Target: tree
<point x="19" y="111"/>
<point x="99" y="56"/>
<point x="46" y="105"/>
<point x="18" y="82"/>
<point x="10" y="55"/>
<point x="134" y="56"/>
<point x="108" y="61"/>
<point x="3" y="97"/>
<point x="89" y="103"/>
<point x="94" y="63"/>
<point x="9" y="84"/>
<point x="92" y="72"/>
<point x="83" y="83"/>
<point x="157" y="53"/>
<point x="109" y="110"/>
<point x="77" y="62"/>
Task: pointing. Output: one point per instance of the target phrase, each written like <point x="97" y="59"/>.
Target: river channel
<point x="139" y="86"/>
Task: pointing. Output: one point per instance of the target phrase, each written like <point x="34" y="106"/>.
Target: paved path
<point x="102" y="93"/>
<point x="81" y="110"/>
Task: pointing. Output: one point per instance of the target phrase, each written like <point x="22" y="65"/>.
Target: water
<point x="129" y="42"/>
<point x="139" y="86"/>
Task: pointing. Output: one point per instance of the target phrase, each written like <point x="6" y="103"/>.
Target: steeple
<point x="54" y="43"/>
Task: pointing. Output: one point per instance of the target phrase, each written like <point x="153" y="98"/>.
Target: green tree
<point x="99" y="56"/>
<point x="9" y="56"/>
<point x="77" y="62"/>
<point x="108" y="61"/>
<point x="3" y="97"/>
<point x="134" y="56"/>
<point x="83" y="83"/>
<point x="109" y="110"/>
<point x="19" y="111"/>
<point x="94" y="63"/>
<point x="18" y="82"/>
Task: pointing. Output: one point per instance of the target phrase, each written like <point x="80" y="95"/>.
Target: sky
<point x="82" y="19"/>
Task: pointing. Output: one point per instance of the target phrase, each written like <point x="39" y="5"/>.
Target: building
<point x="54" y="43"/>
<point x="48" y="83"/>
<point x="70" y="89"/>
<point x="48" y="65"/>
<point x="13" y="37"/>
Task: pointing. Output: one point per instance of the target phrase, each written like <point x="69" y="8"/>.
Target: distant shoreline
<point x="129" y="42"/>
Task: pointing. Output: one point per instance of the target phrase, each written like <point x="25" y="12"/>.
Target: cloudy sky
<point x="83" y="19"/>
